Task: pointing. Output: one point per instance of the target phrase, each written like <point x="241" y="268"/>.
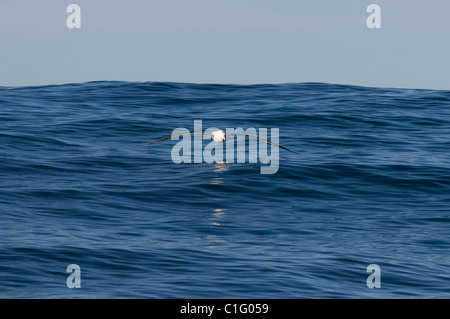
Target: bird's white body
<point x="218" y="136"/>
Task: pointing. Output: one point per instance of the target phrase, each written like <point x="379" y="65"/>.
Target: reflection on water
<point x="213" y="241"/>
<point x="217" y="181"/>
<point x="219" y="168"/>
<point x="217" y="215"/>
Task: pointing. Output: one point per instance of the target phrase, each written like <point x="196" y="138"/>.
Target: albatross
<point x="220" y="136"/>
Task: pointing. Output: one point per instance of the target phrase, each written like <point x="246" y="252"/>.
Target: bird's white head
<point x="218" y="136"/>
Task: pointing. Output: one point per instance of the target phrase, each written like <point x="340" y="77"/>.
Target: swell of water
<point x="370" y="185"/>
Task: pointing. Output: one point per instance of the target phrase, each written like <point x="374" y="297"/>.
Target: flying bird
<point x="220" y="136"/>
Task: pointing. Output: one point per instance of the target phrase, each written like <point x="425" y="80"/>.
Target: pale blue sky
<point x="227" y="41"/>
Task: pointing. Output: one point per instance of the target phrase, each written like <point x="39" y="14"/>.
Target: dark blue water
<point x="370" y="185"/>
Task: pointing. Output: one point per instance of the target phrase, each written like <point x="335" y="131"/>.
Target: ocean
<point x="368" y="184"/>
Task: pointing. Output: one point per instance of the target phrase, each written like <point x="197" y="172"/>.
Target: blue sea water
<point x="370" y="184"/>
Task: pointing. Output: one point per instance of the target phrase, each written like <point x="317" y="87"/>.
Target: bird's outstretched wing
<point x="230" y="134"/>
<point x="263" y="140"/>
<point x="166" y="138"/>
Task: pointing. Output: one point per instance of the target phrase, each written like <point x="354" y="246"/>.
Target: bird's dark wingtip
<point x="292" y="151"/>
